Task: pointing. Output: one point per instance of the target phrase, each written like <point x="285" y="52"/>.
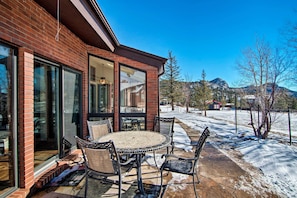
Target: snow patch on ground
<point x="274" y="158"/>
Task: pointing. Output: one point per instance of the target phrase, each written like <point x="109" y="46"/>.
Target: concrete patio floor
<point x="219" y="177"/>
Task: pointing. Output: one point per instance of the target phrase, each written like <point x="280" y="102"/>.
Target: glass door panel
<point x="7" y="135"/>
<point x="46" y="105"/>
<point x="71" y="109"/>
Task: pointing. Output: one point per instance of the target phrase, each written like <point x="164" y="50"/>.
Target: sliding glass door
<point x="57" y="110"/>
<point x="71" y="109"/>
<point x="46" y="111"/>
<point x="8" y="104"/>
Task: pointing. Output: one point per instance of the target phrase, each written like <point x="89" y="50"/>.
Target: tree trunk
<point x="252" y="121"/>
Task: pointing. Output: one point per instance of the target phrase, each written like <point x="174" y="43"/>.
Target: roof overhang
<point x="142" y="57"/>
<point x="85" y="19"/>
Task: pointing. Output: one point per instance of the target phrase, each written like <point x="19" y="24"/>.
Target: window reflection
<point x="132" y="123"/>
<point x="133" y="90"/>
<point x="101" y="85"/>
<point x="7" y="164"/>
<point x="46" y="101"/>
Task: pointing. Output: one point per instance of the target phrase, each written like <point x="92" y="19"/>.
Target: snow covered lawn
<point x="273" y="156"/>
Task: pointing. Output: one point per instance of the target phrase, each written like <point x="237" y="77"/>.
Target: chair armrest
<point x="88" y="138"/>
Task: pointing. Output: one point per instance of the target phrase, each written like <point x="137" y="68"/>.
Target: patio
<point x="219" y="177"/>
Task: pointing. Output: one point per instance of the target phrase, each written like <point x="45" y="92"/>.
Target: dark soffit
<point x="77" y="23"/>
<point x="142" y="57"/>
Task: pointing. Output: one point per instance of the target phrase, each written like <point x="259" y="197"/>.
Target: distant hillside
<point x="219" y="83"/>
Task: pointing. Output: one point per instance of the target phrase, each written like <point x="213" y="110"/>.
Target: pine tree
<point x="170" y="85"/>
<point x="203" y="94"/>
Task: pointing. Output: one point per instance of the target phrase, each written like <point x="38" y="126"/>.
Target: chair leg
<point x="172" y="150"/>
<point x="120" y="186"/>
<point x="86" y="184"/>
<point x="194" y="185"/>
<point x="155" y="159"/>
<point x="161" y="185"/>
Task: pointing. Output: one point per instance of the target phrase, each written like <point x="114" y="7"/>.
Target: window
<point x="133" y="90"/>
<point x="132" y="98"/>
<point x="101" y="86"/>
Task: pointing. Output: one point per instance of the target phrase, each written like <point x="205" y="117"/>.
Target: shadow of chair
<point x="102" y="161"/>
<point x="183" y="165"/>
<point x="99" y="128"/>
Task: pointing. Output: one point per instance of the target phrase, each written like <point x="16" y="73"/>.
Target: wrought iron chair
<point x="182" y="165"/>
<point x="102" y="161"/>
<point x="165" y="126"/>
<point x="98" y="129"/>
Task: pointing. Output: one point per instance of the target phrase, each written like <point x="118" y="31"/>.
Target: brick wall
<point x="25" y="118"/>
<point x="26" y="24"/>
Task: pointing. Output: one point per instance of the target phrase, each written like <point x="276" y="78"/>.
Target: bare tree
<point x="171" y="86"/>
<point x="263" y="69"/>
<point x="289" y="35"/>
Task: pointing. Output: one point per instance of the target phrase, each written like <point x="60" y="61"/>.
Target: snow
<point x="274" y="157"/>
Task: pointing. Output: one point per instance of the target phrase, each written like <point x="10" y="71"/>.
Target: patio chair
<point x="101" y="162"/>
<point x="98" y="129"/>
<point x="183" y="165"/>
<point x="165" y="126"/>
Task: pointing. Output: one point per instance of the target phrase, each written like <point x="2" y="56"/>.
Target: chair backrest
<point x="201" y="142"/>
<point x="164" y="125"/>
<point x="99" y="128"/>
<point x="100" y="156"/>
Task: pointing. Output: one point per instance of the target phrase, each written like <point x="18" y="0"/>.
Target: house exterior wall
<point x="28" y="27"/>
<point x="152" y="83"/>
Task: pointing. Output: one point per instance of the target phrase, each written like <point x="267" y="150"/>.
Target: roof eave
<point x="142" y="57"/>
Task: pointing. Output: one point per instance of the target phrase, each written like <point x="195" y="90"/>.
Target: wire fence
<point x="289" y="112"/>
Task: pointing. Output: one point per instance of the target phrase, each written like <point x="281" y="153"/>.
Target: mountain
<point x="219" y="83"/>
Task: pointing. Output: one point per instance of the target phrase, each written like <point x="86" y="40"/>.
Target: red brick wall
<point x="25" y="115"/>
<point x="27" y="26"/>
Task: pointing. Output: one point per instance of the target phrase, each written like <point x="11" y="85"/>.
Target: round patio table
<point x="138" y="143"/>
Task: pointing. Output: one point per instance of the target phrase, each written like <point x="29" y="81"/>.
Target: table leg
<point x="139" y="176"/>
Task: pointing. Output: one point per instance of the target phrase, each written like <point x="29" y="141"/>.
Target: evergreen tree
<point x="170" y="84"/>
<point x="203" y="95"/>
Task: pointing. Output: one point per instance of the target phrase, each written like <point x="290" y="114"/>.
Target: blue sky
<point x="202" y="34"/>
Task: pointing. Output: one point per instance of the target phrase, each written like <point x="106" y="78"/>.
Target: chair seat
<point x="179" y="166"/>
